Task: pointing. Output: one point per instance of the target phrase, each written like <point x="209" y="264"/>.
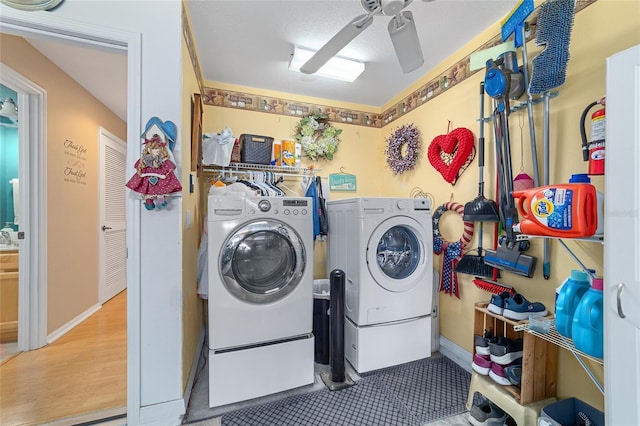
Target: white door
<point x="622" y="240"/>
<point x="112" y="258"/>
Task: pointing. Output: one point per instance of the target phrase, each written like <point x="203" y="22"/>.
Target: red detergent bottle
<point x="562" y="210"/>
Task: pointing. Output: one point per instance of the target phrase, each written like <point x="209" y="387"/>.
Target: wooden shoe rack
<point x="539" y="370"/>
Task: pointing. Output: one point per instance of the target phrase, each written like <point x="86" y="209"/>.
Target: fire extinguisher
<point x="593" y="150"/>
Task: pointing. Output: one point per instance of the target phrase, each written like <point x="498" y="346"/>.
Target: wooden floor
<point x="83" y="371"/>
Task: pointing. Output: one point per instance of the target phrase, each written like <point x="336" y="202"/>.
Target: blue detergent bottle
<point x="569" y="296"/>
<point x="587" y="330"/>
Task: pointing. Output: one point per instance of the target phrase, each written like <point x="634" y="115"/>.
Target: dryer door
<point x="262" y="261"/>
<point x="396" y="254"/>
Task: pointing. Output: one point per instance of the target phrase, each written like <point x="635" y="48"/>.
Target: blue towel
<point x="312" y="191"/>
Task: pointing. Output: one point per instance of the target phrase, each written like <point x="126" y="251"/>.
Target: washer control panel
<point x="264" y="205"/>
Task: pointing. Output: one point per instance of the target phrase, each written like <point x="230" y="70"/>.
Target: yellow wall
<point x="361" y="152"/>
<point x="359" y="149"/>
<point x="191" y="304"/>
<point x="72" y="208"/>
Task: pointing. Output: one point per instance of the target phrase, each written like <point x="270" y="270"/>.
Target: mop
<point x="549" y="71"/>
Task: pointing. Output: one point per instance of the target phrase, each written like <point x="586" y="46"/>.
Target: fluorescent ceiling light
<point x="336" y="68"/>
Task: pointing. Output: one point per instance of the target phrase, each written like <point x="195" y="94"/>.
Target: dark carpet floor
<point x="410" y="394"/>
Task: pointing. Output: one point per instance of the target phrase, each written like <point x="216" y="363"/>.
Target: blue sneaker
<point x="514" y="374"/>
<point x="519" y="308"/>
<point x="496" y="305"/>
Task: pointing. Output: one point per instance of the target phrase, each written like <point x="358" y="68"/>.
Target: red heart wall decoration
<point x="452" y="153"/>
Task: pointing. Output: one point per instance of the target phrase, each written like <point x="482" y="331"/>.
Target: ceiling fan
<point x="402" y="30"/>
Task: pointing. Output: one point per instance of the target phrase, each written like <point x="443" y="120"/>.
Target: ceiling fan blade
<point x="336" y="44"/>
<point x="404" y="36"/>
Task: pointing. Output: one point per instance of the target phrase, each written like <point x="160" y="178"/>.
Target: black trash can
<point x="321" y="294"/>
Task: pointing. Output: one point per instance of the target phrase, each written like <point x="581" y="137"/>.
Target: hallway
<point x="82" y="372"/>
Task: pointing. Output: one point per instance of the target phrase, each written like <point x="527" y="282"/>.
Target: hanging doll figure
<point x="155" y="177"/>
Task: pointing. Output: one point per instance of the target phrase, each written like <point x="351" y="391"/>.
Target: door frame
<point x="32" y="153"/>
<point x="48" y="26"/>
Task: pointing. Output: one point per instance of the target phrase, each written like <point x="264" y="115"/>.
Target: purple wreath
<point x="407" y="134"/>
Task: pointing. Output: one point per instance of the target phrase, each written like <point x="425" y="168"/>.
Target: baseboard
<point x="194" y="369"/>
<point x="71" y="324"/>
<point x="168" y="413"/>
<point x="8" y="331"/>
<point x="114" y="416"/>
<point x="456" y="353"/>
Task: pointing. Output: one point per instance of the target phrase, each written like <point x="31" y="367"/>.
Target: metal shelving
<point x="236" y="168"/>
<point x="559" y="340"/>
<point x="556" y="338"/>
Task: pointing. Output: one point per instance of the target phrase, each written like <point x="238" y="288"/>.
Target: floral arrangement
<point x="405" y="135"/>
<point x="317" y="136"/>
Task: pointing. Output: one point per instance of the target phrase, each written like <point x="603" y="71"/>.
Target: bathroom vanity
<point x="8" y="293"/>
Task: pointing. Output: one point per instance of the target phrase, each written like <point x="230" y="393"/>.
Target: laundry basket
<point x="321" y="300"/>
<point x="569" y="412"/>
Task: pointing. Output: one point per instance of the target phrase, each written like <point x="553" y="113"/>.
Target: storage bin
<point x="321" y="301"/>
<point x="255" y="149"/>
<point x="568" y="412"/>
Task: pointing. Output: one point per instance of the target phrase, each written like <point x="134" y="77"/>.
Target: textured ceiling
<point x="249" y="43"/>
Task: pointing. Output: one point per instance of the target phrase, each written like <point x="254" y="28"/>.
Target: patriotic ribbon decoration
<point x="452" y="250"/>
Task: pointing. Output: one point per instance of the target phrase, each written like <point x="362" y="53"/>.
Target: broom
<point x="478" y="210"/>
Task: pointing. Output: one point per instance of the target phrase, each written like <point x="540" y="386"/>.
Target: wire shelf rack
<point x="556" y="338"/>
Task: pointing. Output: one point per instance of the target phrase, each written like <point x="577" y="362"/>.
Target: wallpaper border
<point x="453" y="75"/>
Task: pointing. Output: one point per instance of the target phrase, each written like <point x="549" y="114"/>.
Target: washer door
<point x="396" y="255"/>
<point x="262" y="261"/>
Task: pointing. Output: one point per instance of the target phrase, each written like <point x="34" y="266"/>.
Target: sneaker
<point x="482" y="342"/>
<point x="487" y="413"/>
<point x="496" y="304"/>
<point x="481" y="364"/>
<point x="498" y="375"/>
<point x="505" y="351"/>
<point x="519" y="308"/>
<point x="514" y="374"/>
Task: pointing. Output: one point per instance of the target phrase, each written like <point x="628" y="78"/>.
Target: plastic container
<point x="569" y="412"/>
<point x="276" y="154"/>
<point x="321" y="304"/>
<point x="587" y="330"/>
<point x="288" y="153"/>
<point x="563" y="210"/>
<point x="571" y="292"/>
<point x="540" y="324"/>
<point x="584" y="178"/>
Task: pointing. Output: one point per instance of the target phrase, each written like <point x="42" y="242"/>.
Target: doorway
<point x="9" y="221"/>
<point x="57" y="29"/>
<point x="27" y="196"/>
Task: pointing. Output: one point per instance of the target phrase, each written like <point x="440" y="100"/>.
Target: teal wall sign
<point x="342" y="182"/>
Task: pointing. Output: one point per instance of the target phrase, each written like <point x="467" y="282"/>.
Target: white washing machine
<point x="260" y="296"/>
<point x="385" y="248"/>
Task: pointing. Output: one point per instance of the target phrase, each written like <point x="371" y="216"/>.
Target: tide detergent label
<point x="553" y="208"/>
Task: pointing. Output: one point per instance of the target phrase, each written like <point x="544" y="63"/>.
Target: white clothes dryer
<point x="385" y="248"/>
<point x="260" y="296"/>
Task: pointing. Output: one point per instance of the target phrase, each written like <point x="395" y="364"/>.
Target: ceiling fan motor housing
<point x="385" y="7"/>
<point x="392" y="7"/>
